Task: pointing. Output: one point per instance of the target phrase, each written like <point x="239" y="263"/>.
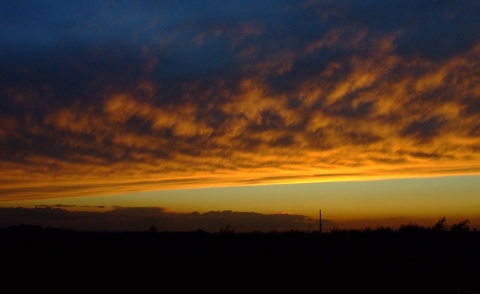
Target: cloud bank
<point x="143" y="218"/>
<point x="109" y="97"/>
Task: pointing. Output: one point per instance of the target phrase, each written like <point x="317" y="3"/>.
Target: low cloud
<point x="142" y="218"/>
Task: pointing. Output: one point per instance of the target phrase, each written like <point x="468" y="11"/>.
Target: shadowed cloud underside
<point x="143" y="218"/>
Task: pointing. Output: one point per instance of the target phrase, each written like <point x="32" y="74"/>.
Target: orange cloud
<point x="239" y="105"/>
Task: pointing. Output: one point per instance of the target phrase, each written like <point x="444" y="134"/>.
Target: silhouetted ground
<point x="50" y="260"/>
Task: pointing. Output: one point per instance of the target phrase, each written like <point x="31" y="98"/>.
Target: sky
<point x="368" y="110"/>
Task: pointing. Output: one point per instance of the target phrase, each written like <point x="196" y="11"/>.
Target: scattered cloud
<point x="106" y="98"/>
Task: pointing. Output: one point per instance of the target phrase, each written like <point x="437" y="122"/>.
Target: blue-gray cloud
<point x="142" y="218"/>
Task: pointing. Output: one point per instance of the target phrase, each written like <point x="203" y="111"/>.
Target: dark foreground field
<point x="49" y="260"/>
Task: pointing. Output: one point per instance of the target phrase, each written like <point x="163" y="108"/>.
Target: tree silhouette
<point x="412" y="227"/>
<point x="441" y="225"/>
<point x="227" y="229"/>
<point x="153" y="229"/>
<point x="462" y="226"/>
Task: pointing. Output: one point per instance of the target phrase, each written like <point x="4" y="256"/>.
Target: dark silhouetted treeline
<point x="411" y="259"/>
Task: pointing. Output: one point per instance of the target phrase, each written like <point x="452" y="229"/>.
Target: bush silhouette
<point x="462" y="226"/>
<point x="441" y="225"/>
<point x="227" y="229"/>
<point x="412" y="227"/>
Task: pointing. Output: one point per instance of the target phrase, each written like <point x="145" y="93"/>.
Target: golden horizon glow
<point x="346" y="204"/>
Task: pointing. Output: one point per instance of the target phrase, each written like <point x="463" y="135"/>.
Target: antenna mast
<point x="320" y="221"/>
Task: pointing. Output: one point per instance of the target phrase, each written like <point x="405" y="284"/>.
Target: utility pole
<point x="320" y="222"/>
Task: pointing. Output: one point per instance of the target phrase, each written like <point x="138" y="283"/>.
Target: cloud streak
<point x="108" y="99"/>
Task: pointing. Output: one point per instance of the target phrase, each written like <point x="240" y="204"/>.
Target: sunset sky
<point x="178" y="110"/>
